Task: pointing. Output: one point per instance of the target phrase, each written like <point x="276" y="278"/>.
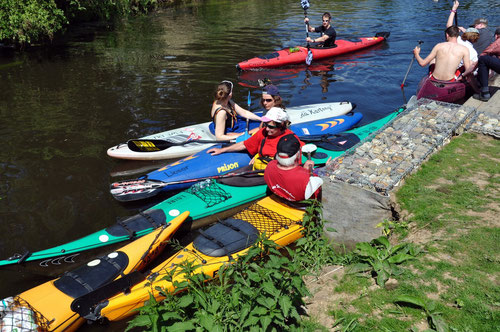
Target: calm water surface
<point x="60" y="109"/>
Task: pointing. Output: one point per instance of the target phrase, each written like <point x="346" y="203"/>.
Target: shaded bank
<point x="38" y="22"/>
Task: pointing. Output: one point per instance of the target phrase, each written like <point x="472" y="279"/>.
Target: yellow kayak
<point x="221" y="243"/>
<point x="47" y="307"/>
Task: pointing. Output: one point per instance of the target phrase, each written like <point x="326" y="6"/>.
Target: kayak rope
<point x="209" y="192"/>
<point x="265" y="220"/>
<point x="19" y="315"/>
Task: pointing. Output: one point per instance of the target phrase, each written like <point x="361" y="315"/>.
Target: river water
<point x="61" y="108"/>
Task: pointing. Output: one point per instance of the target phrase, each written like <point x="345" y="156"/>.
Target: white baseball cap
<point x="275" y="114"/>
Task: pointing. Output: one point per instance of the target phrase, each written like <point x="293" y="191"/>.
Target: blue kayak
<point x="185" y="172"/>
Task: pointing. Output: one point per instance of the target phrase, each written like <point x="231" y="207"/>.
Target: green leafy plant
<point x="261" y="291"/>
<point x="314" y="250"/>
<point x="382" y="258"/>
<point x="388" y="226"/>
<point x="434" y="317"/>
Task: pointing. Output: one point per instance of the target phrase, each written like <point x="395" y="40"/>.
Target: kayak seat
<point x="269" y="56"/>
<point x="89" y="277"/>
<point x="139" y="222"/>
<point x="226" y="237"/>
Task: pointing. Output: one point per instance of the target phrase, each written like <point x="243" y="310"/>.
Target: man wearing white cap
<point x="262" y="145"/>
<point x="285" y="176"/>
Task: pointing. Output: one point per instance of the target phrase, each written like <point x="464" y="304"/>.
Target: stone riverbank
<point x="358" y="187"/>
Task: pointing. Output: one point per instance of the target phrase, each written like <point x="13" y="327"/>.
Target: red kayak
<point x="449" y="92"/>
<point x="295" y="55"/>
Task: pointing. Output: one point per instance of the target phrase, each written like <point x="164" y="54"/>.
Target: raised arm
<point x="453" y="12"/>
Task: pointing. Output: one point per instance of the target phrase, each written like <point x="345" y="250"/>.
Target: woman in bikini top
<point x="225" y="111"/>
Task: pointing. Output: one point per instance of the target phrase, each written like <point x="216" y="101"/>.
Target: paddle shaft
<point x="158" y="185"/>
<point x="456" y="15"/>
<point x="152" y="145"/>
<point x="411" y="63"/>
<point x="144" y="188"/>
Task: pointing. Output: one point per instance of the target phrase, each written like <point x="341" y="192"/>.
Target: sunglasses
<point x="267" y="100"/>
<point x="269" y="126"/>
<point x="230" y="84"/>
<point x="326" y="20"/>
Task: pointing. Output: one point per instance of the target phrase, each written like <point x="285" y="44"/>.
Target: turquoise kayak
<point x="206" y="201"/>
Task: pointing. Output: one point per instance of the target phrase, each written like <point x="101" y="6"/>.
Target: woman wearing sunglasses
<point x="271" y="98"/>
<point x="262" y="145"/>
<point x="226" y="123"/>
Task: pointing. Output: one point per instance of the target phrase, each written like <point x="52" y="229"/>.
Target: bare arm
<point x="428" y="59"/>
<point x="231" y="148"/>
<point x="318" y="40"/>
<point x="469" y="68"/>
<point x="245" y="113"/>
<point x="220" y="127"/>
<point x="452" y="14"/>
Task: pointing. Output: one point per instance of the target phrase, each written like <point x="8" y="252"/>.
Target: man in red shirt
<point x="285" y="176"/>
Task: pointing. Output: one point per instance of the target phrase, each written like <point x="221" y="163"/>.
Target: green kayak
<point x="206" y="202"/>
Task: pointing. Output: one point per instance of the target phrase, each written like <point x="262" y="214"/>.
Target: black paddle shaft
<point x="420" y="42"/>
<point x="84" y="305"/>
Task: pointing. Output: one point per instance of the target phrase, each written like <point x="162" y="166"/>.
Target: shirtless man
<point x="447" y="56"/>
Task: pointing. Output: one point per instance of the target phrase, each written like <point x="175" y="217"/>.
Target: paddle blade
<point x="249" y="100"/>
<point x="85" y="304"/>
<point x="150" y="145"/>
<point x="339" y="142"/>
<point x="134" y="190"/>
<point x="243" y="137"/>
<point x="309" y="57"/>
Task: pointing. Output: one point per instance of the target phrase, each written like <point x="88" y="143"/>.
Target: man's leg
<point x="485" y="63"/>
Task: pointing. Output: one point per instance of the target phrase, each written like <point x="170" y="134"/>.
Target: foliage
<point x="29" y="21"/>
<point x="25" y="21"/>
<point x="389" y="226"/>
<point x="382" y="258"/>
<point x="313" y="250"/>
<point x="260" y="291"/>
<point x="434" y="318"/>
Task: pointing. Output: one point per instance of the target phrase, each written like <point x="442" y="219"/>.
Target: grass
<point x="452" y="204"/>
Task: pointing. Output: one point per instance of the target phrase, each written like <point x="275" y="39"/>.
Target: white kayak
<point x="298" y="114"/>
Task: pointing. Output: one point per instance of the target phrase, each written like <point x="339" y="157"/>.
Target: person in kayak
<point x="489" y="59"/>
<point x="481" y="24"/>
<point x="328" y="33"/>
<point x="262" y="146"/>
<point x="225" y="114"/>
<point x="468" y="37"/>
<point x="447" y="57"/>
<point x="271" y="98"/>
<point x="285" y="176"/>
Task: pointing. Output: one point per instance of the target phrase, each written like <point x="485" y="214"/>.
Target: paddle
<point x="337" y="142"/>
<point x="308" y="149"/>
<point x="314" y="181"/>
<point x="84" y="305"/>
<point x="133" y="190"/>
<point x="152" y="145"/>
<point x="309" y="57"/>
<point x="246" y="135"/>
<point x="456" y="14"/>
<point x="411" y="63"/>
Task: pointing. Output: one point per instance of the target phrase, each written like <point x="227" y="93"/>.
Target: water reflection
<point x="62" y="108"/>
